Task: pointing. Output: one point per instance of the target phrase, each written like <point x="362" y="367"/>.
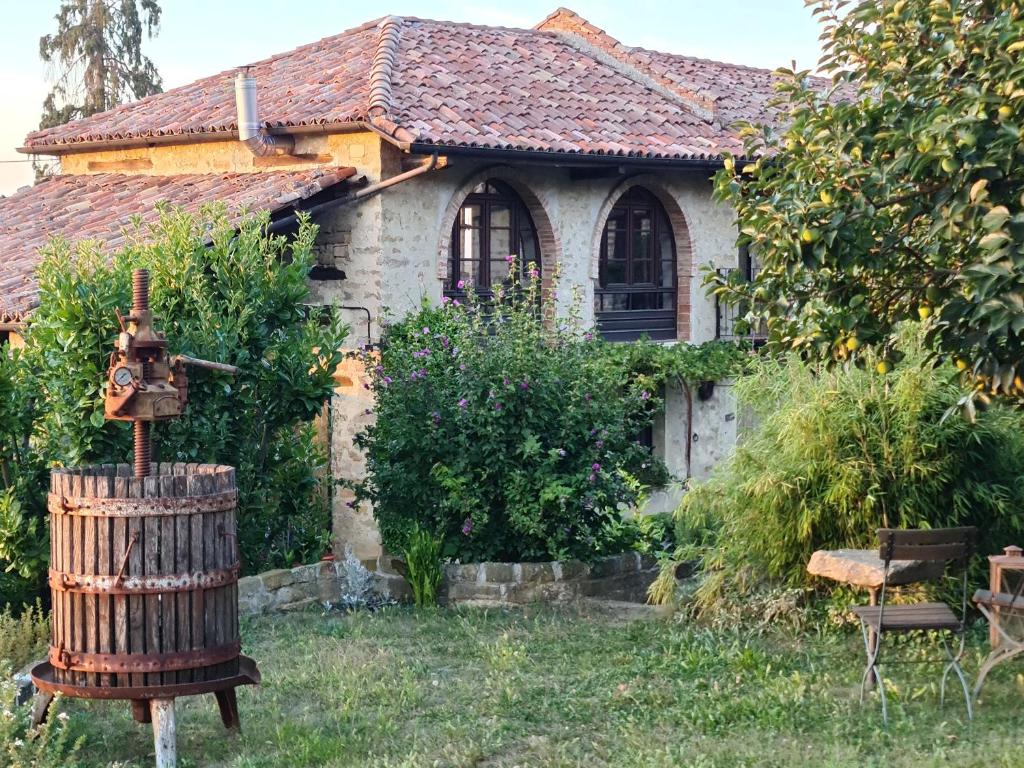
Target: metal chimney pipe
<point x="250" y="129"/>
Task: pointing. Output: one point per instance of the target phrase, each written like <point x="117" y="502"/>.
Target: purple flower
<point x="599" y="444"/>
<point x="460" y="285"/>
<point x="388" y="379"/>
<point x="467" y="526"/>
<point x="534" y="273"/>
<point x="350" y="504"/>
<point x="588" y="336"/>
<point x="596" y="467"/>
<point x="457" y="303"/>
<point x="445" y="299"/>
<point x="506" y="381"/>
<point x="592" y="477"/>
<point x="498" y="406"/>
<point x="524" y="385"/>
<point x="436" y="416"/>
<point x="368" y="412"/>
<point x="462" y="366"/>
<point x="463" y="403"/>
<point x="365" y="385"/>
<point x="379" y="368"/>
<point x="426" y="331"/>
<point x="645" y="395"/>
<point x="561" y="452"/>
<point x="588" y="397"/>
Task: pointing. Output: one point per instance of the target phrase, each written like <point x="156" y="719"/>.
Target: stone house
<point x="427" y="151"/>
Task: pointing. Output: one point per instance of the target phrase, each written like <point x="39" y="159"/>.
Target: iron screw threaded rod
<point x="140" y="290"/>
<point x="143" y="448"/>
<point x="143" y="442"/>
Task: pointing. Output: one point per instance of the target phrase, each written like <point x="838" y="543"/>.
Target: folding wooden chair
<point x="949" y="545"/>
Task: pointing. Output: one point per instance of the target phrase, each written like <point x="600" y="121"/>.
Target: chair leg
<point x="954" y="665"/>
<point x="872" y="646"/>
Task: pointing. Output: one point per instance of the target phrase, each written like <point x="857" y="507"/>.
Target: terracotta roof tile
<point x="98" y="207"/>
<point x="564" y="87"/>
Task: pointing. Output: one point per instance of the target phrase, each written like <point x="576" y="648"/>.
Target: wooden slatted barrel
<point x="144" y="579"/>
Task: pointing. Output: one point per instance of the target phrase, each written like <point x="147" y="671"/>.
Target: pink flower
<point x="463" y="403"/>
<point x="461" y="284"/>
<point x="467" y="526"/>
<point x="509" y="259"/>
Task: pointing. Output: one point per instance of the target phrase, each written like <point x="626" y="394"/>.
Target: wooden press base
<point x="152" y="704"/>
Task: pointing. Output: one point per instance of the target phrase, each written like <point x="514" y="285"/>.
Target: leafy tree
<point x="97" y="52"/>
<point x="222" y="290"/>
<point x="896" y="192"/>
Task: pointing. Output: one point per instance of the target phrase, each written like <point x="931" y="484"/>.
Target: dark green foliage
<point x="222" y="292"/>
<point x="837" y="454"/>
<point x="97" y="55"/>
<point x="510" y="437"/>
<point x="900" y="197"/>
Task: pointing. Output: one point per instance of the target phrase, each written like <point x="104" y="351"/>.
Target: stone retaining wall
<point x="620" y="577"/>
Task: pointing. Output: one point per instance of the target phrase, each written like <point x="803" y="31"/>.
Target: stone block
<point x="298" y="605"/>
<point x="277" y="578"/>
<point x="536" y="573"/>
<point x="328" y="589"/>
<point x="498" y="573"/>
<point x="304" y="573"/>
<point x="465" y="573"/>
<point x="572" y="569"/>
<point x="462" y="591"/>
<point x="608" y="566"/>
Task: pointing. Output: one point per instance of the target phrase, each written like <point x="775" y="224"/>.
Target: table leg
<point x="164" y="733"/>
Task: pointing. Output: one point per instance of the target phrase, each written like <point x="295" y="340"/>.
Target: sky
<point x="202" y="37"/>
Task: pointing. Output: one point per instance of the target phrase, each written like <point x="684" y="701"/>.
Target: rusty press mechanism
<point x="144" y="558"/>
<point x="144" y="384"/>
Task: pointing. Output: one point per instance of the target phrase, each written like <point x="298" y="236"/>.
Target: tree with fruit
<point x="894" y="192"/>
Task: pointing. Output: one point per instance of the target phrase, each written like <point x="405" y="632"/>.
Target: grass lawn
<point x="542" y="687"/>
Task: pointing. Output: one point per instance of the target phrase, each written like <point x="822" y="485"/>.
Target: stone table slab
<point x="864" y="568"/>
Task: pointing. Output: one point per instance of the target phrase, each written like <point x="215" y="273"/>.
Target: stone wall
<point x="620" y="577"/>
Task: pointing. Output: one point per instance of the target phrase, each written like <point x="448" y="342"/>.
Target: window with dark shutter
<point x="492" y="224"/>
<point x="636" y="291"/>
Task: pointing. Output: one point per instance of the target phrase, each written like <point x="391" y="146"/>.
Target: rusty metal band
<point x="88" y="506"/>
<point x="117" y="663"/>
<point x="62" y="581"/>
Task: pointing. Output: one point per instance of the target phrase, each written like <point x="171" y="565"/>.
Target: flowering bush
<point x="508" y="434"/>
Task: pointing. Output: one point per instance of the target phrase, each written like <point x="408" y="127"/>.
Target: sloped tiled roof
<point x="99" y="207"/>
<point x="562" y="87"/>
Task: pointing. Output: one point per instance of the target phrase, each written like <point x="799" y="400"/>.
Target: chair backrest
<point x="936" y="545"/>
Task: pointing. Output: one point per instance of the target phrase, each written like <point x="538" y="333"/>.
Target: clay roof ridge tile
<point x="383" y="65"/>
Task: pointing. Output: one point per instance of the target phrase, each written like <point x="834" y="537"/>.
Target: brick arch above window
<point x="547" y="237"/>
<point x="680" y="234"/>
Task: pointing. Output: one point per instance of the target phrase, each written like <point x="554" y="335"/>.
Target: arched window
<point x="636" y="290"/>
<point x="492" y="224"/>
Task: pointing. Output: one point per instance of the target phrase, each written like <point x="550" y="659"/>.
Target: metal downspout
<point x="358" y="194"/>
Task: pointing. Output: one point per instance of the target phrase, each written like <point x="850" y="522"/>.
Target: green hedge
<point x="221" y="291"/>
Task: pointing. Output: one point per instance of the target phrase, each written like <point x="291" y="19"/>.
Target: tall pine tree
<point x="97" y="57"/>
